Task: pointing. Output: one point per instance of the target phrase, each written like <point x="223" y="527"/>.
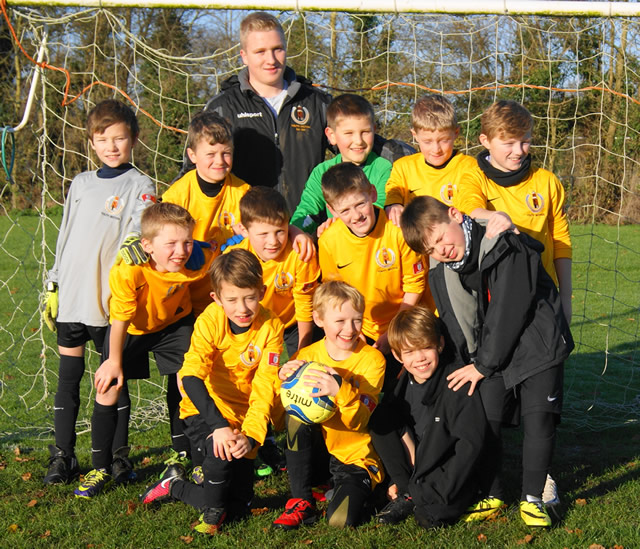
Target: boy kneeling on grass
<point x="430" y="438"/>
<point x="229" y="380"/>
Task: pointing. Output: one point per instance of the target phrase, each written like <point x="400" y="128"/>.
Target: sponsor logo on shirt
<point x="308" y="286"/>
<point x="418" y="267"/>
<point x="300" y="114"/>
<point x="274" y="359"/>
<point x="114" y="205"/>
<point x="283" y="281"/>
<point x="385" y="258"/>
<point x="534" y="201"/>
<point x="251" y="355"/>
<point x="368" y="402"/>
<point x="146" y="197"/>
<point x="447" y="192"/>
<point x="249" y="115"/>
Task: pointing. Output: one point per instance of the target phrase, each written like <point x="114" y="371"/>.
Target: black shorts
<point x="542" y="392"/>
<point x="168" y="345"/>
<point x="75" y="334"/>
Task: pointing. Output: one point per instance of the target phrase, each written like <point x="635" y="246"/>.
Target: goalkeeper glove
<point x="235" y="239"/>
<point x="196" y="259"/>
<point x="131" y="251"/>
<point x="50" y="306"/>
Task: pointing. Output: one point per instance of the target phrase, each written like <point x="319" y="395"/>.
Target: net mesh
<point x="578" y="76"/>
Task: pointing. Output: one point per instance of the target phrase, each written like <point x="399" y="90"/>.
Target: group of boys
<point x="217" y="279"/>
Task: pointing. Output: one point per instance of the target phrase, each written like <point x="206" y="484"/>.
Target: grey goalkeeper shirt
<point x="98" y="215"/>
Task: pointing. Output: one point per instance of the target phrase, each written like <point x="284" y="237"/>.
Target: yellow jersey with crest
<point x="411" y="176"/>
<point x="535" y="205"/>
<point x="380" y="265"/>
<point x="240" y="371"/>
<point x="151" y="300"/>
<point x="346" y="433"/>
<point x="290" y="283"/>
<point x="215" y="217"/>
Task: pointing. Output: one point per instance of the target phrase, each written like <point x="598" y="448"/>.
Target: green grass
<point x="597" y="462"/>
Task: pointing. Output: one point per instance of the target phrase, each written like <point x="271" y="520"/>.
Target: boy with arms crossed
<point x="229" y="382"/>
<point x="366" y="250"/>
<point x="150" y="310"/>
<point x="351" y="128"/>
<point x="107" y="202"/>
<point x="504" y="314"/>
<point x="354" y="376"/>
<point x="429" y="437"/>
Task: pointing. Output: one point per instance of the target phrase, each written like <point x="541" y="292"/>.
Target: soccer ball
<point x="298" y="399"/>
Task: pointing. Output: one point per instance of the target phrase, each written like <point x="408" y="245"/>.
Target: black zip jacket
<point x="508" y="319"/>
<point x="274" y="152"/>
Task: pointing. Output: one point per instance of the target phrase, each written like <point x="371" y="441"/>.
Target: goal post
<point x="575" y="65"/>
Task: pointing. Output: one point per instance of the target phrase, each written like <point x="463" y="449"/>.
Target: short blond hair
<point x="414" y="328"/>
<point x="156" y="216"/>
<point x="209" y="127"/>
<point x="259" y="21"/>
<point x="506" y="119"/>
<point x="239" y="268"/>
<point x="343" y="179"/>
<point x="432" y="113"/>
<point x="334" y="293"/>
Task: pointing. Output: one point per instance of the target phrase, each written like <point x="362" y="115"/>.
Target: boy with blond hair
<point x="290" y="282"/>
<point x="430" y="438"/>
<point x="438" y="168"/>
<point x="505" y="181"/>
<point x="101" y="210"/>
<point x="229" y="380"/>
<point x="351" y="128"/>
<point x="366" y="250"/>
<point x="503" y="313"/>
<point x="150" y="310"/>
<point x="354" y="375"/>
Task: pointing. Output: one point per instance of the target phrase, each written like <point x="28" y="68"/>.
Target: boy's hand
<point x="393" y="213"/>
<point x="50" y="306"/>
<point x="324" y="226"/>
<point x="382" y="345"/>
<point x="464" y="375"/>
<point x="196" y="259"/>
<point x="131" y="251"/>
<point x="223" y="440"/>
<point x="241" y="446"/>
<point x="106" y="373"/>
<point x="289" y="368"/>
<point x="497" y="223"/>
<point x="325" y="382"/>
<point x="302" y="243"/>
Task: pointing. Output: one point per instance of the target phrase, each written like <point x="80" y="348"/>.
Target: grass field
<point x="597" y="462"/>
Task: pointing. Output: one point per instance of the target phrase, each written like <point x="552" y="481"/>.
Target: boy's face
<point x="356" y="211"/>
<point x="342" y="326"/>
<point x="265" y="55"/>
<point x="268" y="240"/>
<point x="170" y="249"/>
<point x="420" y="363"/>
<point x="507" y="153"/>
<point x="114" y="145"/>
<point x="240" y="304"/>
<point x="436" y="145"/>
<point x="353" y="135"/>
<point x="446" y="240"/>
<point x="213" y="162"/>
